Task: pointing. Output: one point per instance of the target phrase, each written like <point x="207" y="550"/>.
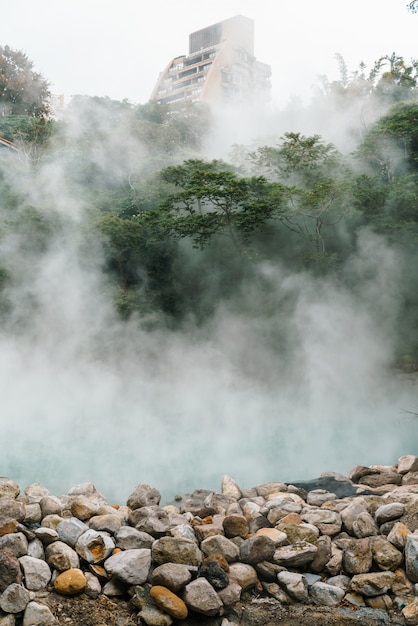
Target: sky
<point x="117" y="48"/>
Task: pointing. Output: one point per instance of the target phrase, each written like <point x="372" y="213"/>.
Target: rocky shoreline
<point x="335" y="550"/>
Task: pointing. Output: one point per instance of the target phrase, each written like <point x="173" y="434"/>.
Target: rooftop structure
<point x="220" y="67"/>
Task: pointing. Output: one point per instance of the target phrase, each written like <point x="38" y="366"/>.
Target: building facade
<point x="220" y="67"/>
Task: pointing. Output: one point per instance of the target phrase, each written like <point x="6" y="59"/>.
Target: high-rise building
<point x="220" y="67"/>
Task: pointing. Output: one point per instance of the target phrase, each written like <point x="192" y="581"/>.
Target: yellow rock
<point x="167" y="601"/>
<point x="70" y="582"/>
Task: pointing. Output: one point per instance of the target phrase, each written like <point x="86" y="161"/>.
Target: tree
<point x="213" y="200"/>
<point x="22" y="90"/>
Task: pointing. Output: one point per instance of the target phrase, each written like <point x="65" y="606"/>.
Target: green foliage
<point x="22" y="90"/>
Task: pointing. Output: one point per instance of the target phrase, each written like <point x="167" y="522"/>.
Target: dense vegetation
<point x="177" y="232"/>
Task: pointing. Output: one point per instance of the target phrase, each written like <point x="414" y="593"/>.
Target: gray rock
<point x="33" y="513"/>
<point x="389" y="512"/>
<point x="94" y="546"/>
<point x="9" y="489"/>
<point x="317" y="497"/>
<point x="411" y="557"/>
<point x="230" y="488"/>
<point x="128" y="538"/>
<point x="407" y="463"/>
<point x="9" y="569"/>
<point x="295" y="585"/>
<point x="322" y="555"/>
<point x="61" y="556"/>
<point x="296" y="555"/>
<point x="231" y="594"/>
<point x="256" y="549"/>
<point x="14" y="599"/>
<point x="200" y="596"/>
<point x="17" y="543"/>
<point x="341" y="581"/>
<point x="110" y="522"/>
<point x="184" y="531"/>
<point x="70" y="529"/>
<point x="244" y="574"/>
<point x="36" y="572"/>
<point x="174" y="576"/>
<point x="89" y="491"/>
<point x="130" y="566"/>
<point x="36" y="549"/>
<point x="143" y="495"/>
<point x="12" y="509"/>
<point x="385" y="555"/>
<point x="177" y="550"/>
<point x="357" y="556"/>
<point x="350" y="514"/>
<point x="364" y="525"/>
<point x="321" y="516"/>
<point x="46" y="535"/>
<point x="373" y="583"/>
<point x="93" y="588"/>
<point x="35" y="492"/>
<point x="37" y="614"/>
<point x="50" y="505"/>
<point x="219" y="543"/>
<point x="324" y="594"/>
<point x="150" y="519"/>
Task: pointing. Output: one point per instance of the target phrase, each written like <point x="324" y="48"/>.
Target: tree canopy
<point x="23" y="91"/>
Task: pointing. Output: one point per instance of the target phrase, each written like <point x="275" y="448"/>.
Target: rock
<point x="383" y="602"/>
<point x="143" y="495"/>
<point x="14" y="598"/>
<point x="244" y="574"/>
<point x="296" y="555"/>
<point x="381" y="478"/>
<point x="70" y="529"/>
<point x="177" y="550"/>
<point x="364" y="525"/>
<point x="109" y="522"/>
<point x="323" y="554"/>
<point x="295" y="585"/>
<point x="389" y="512"/>
<point x="174" y="576"/>
<point x="230" y="488"/>
<point x="114" y="588"/>
<point x="357" y="556"/>
<point x="61" y="556"/>
<point x="94" y="546"/>
<point x="398" y="534"/>
<point x="411" y="557"/>
<point x="213" y="571"/>
<point x="407" y="463"/>
<point x="130" y="566"/>
<point x="324" y="594"/>
<point x="17" y="543"/>
<point x="7" y="526"/>
<point x="9" y="569"/>
<point x="219" y="543"/>
<point x="321" y="516"/>
<point x="70" y="583"/>
<point x="83" y="508"/>
<point x="231" y="594"/>
<point x="93" y="588"/>
<point x="9" y="489"/>
<point x="401" y="586"/>
<point x="410" y="614"/>
<point x="50" y="505"/>
<point x="278" y="537"/>
<point x="256" y="549"/>
<point x="317" y="497"/>
<point x="200" y="596"/>
<point x="128" y="538"/>
<point x="36" y="549"/>
<point x="37" y="614"/>
<point x="373" y="583"/>
<point x="36" y="573"/>
<point x="235" y="525"/>
<point x="385" y="555"/>
<point x="33" y="514"/>
<point x="350" y="514"/>
<point x="300" y="532"/>
<point x="89" y="491"/>
<point x="150" y="519"/>
<point x="35" y="492"/>
<point x="169" y="602"/>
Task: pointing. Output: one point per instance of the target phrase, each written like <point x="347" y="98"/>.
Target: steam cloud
<point x="290" y="379"/>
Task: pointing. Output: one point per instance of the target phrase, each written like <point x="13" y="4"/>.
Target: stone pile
<point x="332" y="542"/>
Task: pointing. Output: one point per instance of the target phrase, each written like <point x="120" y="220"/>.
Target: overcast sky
<point x="117" y="48"/>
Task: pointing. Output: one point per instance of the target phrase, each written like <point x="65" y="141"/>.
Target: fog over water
<point x="292" y="377"/>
